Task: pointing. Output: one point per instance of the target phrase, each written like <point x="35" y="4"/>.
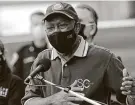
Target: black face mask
<point x="81" y="32"/>
<point x="63" y="41"/>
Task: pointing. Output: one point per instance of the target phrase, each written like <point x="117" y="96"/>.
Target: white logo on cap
<point x="58" y="7"/>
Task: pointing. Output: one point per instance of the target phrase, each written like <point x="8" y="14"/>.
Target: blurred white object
<point x="116" y="23"/>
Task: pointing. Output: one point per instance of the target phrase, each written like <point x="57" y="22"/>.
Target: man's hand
<point x="63" y="98"/>
<point x="128" y="84"/>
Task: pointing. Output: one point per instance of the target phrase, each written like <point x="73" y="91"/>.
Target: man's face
<point x="37" y="30"/>
<point x="62" y="32"/>
<point x="86" y="17"/>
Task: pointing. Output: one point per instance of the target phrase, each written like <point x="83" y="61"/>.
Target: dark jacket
<point x="11" y="88"/>
<point x="25" y="57"/>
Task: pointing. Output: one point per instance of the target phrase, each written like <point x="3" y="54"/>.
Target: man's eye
<point x="63" y="26"/>
<point x="50" y="28"/>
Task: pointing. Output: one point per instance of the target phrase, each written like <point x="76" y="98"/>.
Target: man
<point x="11" y="86"/>
<point x="92" y="71"/>
<point x="88" y="19"/>
<point x="24" y="57"/>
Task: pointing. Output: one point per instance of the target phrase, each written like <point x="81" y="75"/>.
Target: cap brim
<point x="58" y="12"/>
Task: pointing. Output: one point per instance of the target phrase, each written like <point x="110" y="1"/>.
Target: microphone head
<point x="41" y="65"/>
<point x="45" y="63"/>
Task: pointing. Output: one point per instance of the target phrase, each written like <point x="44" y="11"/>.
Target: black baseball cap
<point x="61" y="8"/>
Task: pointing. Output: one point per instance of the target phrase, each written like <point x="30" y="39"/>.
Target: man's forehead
<point x="84" y="15"/>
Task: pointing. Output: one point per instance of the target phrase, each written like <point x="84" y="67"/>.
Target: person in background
<point x="89" y="70"/>
<point x="24" y="57"/>
<point x="11" y="86"/>
<point x="89" y="20"/>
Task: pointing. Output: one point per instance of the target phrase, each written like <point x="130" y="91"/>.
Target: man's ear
<point x="93" y="29"/>
<point x="77" y="27"/>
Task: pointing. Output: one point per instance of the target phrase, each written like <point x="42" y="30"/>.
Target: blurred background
<point x="116" y="26"/>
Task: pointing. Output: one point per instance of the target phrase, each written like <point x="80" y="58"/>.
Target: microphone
<point x="42" y="66"/>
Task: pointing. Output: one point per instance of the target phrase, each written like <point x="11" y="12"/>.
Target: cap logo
<point x="58" y="7"/>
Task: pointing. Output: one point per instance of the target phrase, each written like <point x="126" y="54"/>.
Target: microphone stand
<point x="69" y="91"/>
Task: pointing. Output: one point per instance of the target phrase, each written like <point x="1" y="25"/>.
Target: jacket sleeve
<point x="16" y="91"/>
<point x="113" y="77"/>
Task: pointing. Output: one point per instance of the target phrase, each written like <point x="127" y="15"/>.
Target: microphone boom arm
<point x="70" y="91"/>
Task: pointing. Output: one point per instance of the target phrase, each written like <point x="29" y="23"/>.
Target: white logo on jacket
<point x="3" y="91"/>
<point x="84" y="83"/>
